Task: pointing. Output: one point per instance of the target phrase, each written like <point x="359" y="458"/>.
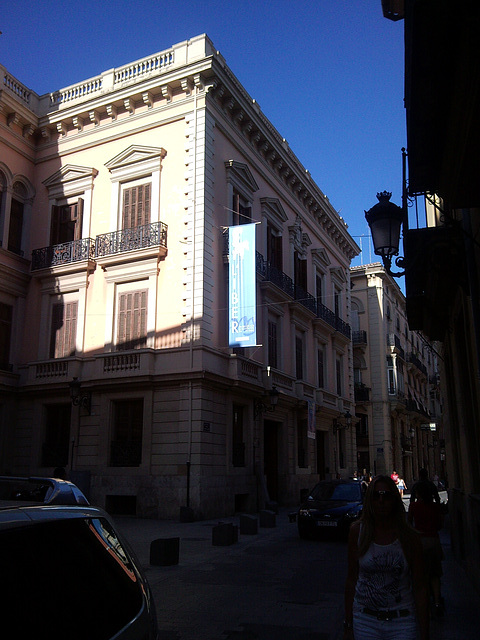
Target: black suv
<point x="66" y="573"/>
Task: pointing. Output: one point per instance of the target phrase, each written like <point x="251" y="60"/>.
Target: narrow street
<point x="268" y="586"/>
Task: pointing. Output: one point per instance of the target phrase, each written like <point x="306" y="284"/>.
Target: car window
<point x="72" y="577"/>
<point x="327" y="491"/>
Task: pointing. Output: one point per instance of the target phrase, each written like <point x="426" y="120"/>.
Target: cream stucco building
<point x="397" y="394"/>
<point x="115" y="196"/>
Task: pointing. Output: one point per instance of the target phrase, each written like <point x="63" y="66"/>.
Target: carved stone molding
<point x="167" y="92"/>
<point x="112" y="111"/>
<point x="147" y="98"/>
<point x="78" y="123"/>
<point x="94" y="117"/>
<point x="129" y="105"/>
<point x="62" y="128"/>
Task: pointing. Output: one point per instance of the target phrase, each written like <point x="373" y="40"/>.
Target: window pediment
<point x="320" y="257"/>
<point x="273" y="210"/>
<point x="241" y="176"/>
<point x="134" y="155"/>
<point x="70" y="179"/>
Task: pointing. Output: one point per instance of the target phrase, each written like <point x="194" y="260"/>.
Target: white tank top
<point x="384" y="579"/>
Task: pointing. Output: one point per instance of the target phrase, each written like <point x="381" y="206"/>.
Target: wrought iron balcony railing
<point x="359" y="337"/>
<point x="64" y="253"/>
<point x="269" y="273"/>
<point x="143" y="237"/>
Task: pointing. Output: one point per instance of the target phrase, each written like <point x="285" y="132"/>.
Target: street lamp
<point x="260" y="407"/>
<point x="345" y="422"/>
<point x="80" y="398"/>
<point x="385" y="220"/>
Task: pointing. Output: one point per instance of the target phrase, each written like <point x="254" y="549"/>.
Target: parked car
<point x="332" y="506"/>
<point x="66" y="573"/>
<point x="37" y="489"/>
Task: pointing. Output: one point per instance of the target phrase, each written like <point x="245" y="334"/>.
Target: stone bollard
<point x="248" y="524"/>
<point x="270" y="505"/>
<point x="267" y="519"/>
<point x="224" y="533"/>
<point x="164" y="551"/>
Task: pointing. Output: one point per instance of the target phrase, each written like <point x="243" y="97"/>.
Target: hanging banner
<point x="242" y="313"/>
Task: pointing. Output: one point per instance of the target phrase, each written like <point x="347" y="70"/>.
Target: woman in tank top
<point x="386" y="595"/>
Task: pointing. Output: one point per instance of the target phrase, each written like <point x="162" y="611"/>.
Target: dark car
<point x="331" y="506"/>
<point x="38" y="489"/>
<point x="66" y="573"/>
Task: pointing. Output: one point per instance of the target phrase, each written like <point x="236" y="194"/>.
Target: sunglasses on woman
<point x="387" y="495"/>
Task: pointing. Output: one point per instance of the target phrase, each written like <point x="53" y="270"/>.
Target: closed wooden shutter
<point x="132" y="320"/>
<point x="136" y="206"/>
<point x="64" y="329"/>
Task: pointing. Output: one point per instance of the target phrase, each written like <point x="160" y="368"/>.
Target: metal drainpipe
<point x="192" y="319"/>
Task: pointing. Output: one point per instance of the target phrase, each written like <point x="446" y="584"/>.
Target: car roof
<point x="13" y="514"/>
<point x="36" y="489"/>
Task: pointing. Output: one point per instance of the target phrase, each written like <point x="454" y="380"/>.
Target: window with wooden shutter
<point x="132" y="320"/>
<point x="274" y="248"/>
<point x="64" y="329"/>
<point x="136" y="206"/>
<point x="66" y="224"/>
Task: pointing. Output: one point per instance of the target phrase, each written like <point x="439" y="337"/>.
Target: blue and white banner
<point x="242" y="312"/>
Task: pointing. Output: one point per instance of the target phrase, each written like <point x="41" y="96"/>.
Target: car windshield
<point x="332" y="491"/>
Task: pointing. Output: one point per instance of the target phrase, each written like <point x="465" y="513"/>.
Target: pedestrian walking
<point x="386" y="590"/>
<point x="401" y="486"/>
<point x="394" y="477"/>
<point x="427" y="518"/>
<point x="423" y="479"/>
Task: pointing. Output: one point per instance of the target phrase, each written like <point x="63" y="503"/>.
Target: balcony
<point x="394" y="341"/>
<point x="362" y="393"/>
<point x="412" y="359"/>
<point x="272" y="274"/>
<point x="148" y="236"/>
<point x="66" y="253"/>
<point x="151" y="237"/>
<point x="359" y="338"/>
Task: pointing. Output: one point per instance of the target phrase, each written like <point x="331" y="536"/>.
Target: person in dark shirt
<point x="428" y="484"/>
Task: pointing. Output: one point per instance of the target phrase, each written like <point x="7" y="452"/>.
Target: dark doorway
<point x="320" y="437"/>
<point x="271" y="457"/>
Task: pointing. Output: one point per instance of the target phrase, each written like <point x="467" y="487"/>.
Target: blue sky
<point x="328" y="74"/>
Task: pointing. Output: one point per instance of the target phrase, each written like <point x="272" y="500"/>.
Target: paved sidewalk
<point x="462" y="602"/>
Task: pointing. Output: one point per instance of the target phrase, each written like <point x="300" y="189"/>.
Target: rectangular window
<point x="299" y="357"/>
<point x="302" y="443"/>
<point x="272" y="344"/>
<point x="337" y="301"/>
<point x="16" y="226"/>
<point x="126" y="444"/>
<point x="136" y="206"/>
<point x="55" y="448"/>
<point x="321" y="367"/>
<point x="362" y="426"/>
<point x="300" y="272"/>
<point x="242" y="211"/>
<point x="132" y="320"/>
<point x="63" y="329"/>
<point x="339" y="376"/>
<point x="6" y="312"/>
<point x="66" y="223"/>
<point x="238" y="445"/>
<point x="319" y="287"/>
<point x="274" y="248"/>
